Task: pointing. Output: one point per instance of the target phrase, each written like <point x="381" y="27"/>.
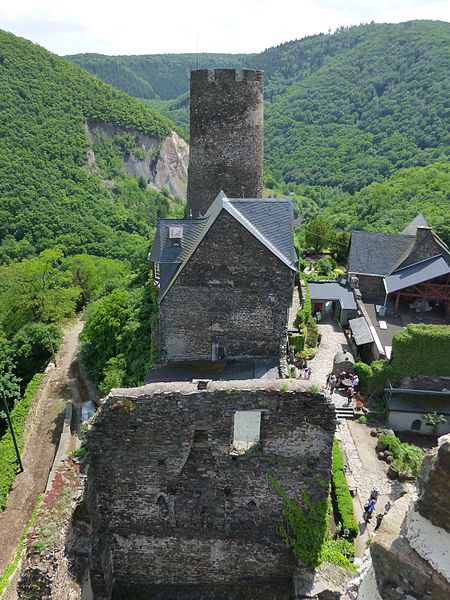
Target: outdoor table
<point x="347" y="382"/>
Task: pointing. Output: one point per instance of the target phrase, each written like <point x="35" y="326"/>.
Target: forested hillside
<point x="75" y="226"/>
<point x="162" y="76"/>
<point x="365" y="104"/>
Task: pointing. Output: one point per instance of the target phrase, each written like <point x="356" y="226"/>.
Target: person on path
<point x="378" y="523"/>
<point x="332" y="382"/>
<point x="368" y="510"/>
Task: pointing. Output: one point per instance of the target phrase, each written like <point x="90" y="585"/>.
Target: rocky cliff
<point x="160" y="164"/>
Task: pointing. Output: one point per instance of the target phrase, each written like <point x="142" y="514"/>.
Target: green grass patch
<point x="8" y="458"/>
<point x="13" y="565"/>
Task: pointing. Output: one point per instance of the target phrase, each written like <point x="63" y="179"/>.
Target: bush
<point x="362" y="419"/>
<point x="374" y="377"/>
<point x="421" y="350"/>
<point x="407" y="457"/>
<point x="297" y="342"/>
<point x="307" y="531"/>
<point x="8" y="459"/>
<point x="341" y="493"/>
<point x="324" y="266"/>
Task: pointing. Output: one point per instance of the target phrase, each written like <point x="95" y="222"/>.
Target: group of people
<point x="349" y="381"/>
<point x="296" y="373"/>
<point x="369" y="509"/>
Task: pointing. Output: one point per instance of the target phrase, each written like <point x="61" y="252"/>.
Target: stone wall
<point x="425" y="246"/>
<point x="180" y="512"/>
<point x="226" y="137"/>
<point x="371" y="286"/>
<point x="234" y="292"/>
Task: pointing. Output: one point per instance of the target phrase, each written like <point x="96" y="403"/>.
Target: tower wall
<point x="226" y="148"/>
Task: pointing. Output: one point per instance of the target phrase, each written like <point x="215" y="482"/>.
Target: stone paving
<point x="333" y="340"/>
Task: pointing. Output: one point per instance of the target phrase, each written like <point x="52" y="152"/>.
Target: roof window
<point x="176" y="235"/>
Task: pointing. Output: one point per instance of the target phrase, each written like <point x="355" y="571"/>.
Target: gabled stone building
<point x="226" y="281"/>
<point x="226" y="273"/>
<point x="413" y="265"/>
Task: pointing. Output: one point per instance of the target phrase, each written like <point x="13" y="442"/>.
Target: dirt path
<point x="43" y="429"/>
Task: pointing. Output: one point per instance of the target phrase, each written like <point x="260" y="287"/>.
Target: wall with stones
<point x="425" y="246"/>
<point x="371" y="286"/>
<point x="180" y="512"/>
<point x="226" y="136"/>
<point x="233" y="291"/>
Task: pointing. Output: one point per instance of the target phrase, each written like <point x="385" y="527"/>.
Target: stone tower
<point x="226" y="149"/>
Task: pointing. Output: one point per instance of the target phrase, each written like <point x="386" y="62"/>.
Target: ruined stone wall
<point x="233" y="291"/>
<point x="179" y="510"/>
<point x="226" y="136"/>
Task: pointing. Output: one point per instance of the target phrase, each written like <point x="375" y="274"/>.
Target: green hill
<point x="162" y="76"/>
<point x="48" y="194"/>
<point x="365" y="104"/>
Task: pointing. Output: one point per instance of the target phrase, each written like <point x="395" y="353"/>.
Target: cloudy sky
<point x="159" y="26"/>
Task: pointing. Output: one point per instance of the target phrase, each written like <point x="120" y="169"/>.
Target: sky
<point x="150" y="27"/>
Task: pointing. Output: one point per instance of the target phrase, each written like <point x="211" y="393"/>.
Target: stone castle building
<point x="226" y="274"/>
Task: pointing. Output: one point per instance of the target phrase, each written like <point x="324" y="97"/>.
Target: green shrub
<point x="341" y="493"/>
<point x="307" y="532"/>
<point x="421" y="349"/>
<point x="8" y="459"/>
<point x="375" y="377"/>
<point x="332" y="552"/>
<point x="407" y="457"/>
<point x="362" y="419"/>
<point x="297" y="342"/>
<point x="364" y="372"/>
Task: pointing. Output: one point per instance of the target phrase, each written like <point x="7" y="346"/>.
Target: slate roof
<point x="418" y="221"/>
<point x="361" y="331"/>
<point x="271" y="221"/>
<point x="162" y="250"/>
<point x="333" y="290"/>
<point x="417" y="401"/>
<point x="377" y="254"/>
<point x="427" y="269"/>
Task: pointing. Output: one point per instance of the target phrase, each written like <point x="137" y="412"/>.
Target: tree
<point x="9" y="383"/>
<point x="43" y="287"/>
<point x="318" y="234"/>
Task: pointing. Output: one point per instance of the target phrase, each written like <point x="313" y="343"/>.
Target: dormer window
<point x="176" y="235"/>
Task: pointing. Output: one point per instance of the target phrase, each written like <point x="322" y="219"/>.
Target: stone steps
<point x="345" y="412"/>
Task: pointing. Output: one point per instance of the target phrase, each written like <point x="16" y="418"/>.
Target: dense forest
<point x="344" y="111"/>
<point x="155" y="76"/>
<point x="74" y="233"/>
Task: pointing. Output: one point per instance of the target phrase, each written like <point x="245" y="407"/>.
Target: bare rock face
<point x="433" y="484"/>
<point x="161" y="163"/>
<point x="172" y="165"/>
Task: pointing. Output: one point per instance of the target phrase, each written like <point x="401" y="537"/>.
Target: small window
<point x="246" y="435"/>
<point x="416" y="425"/>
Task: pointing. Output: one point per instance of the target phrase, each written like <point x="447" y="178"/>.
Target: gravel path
<point x="367" y="471"/>
<point x="43" y="429"/>
<point x="333" y="340"/>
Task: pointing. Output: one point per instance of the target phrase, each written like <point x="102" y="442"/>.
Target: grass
<point x="4" y="579"/>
